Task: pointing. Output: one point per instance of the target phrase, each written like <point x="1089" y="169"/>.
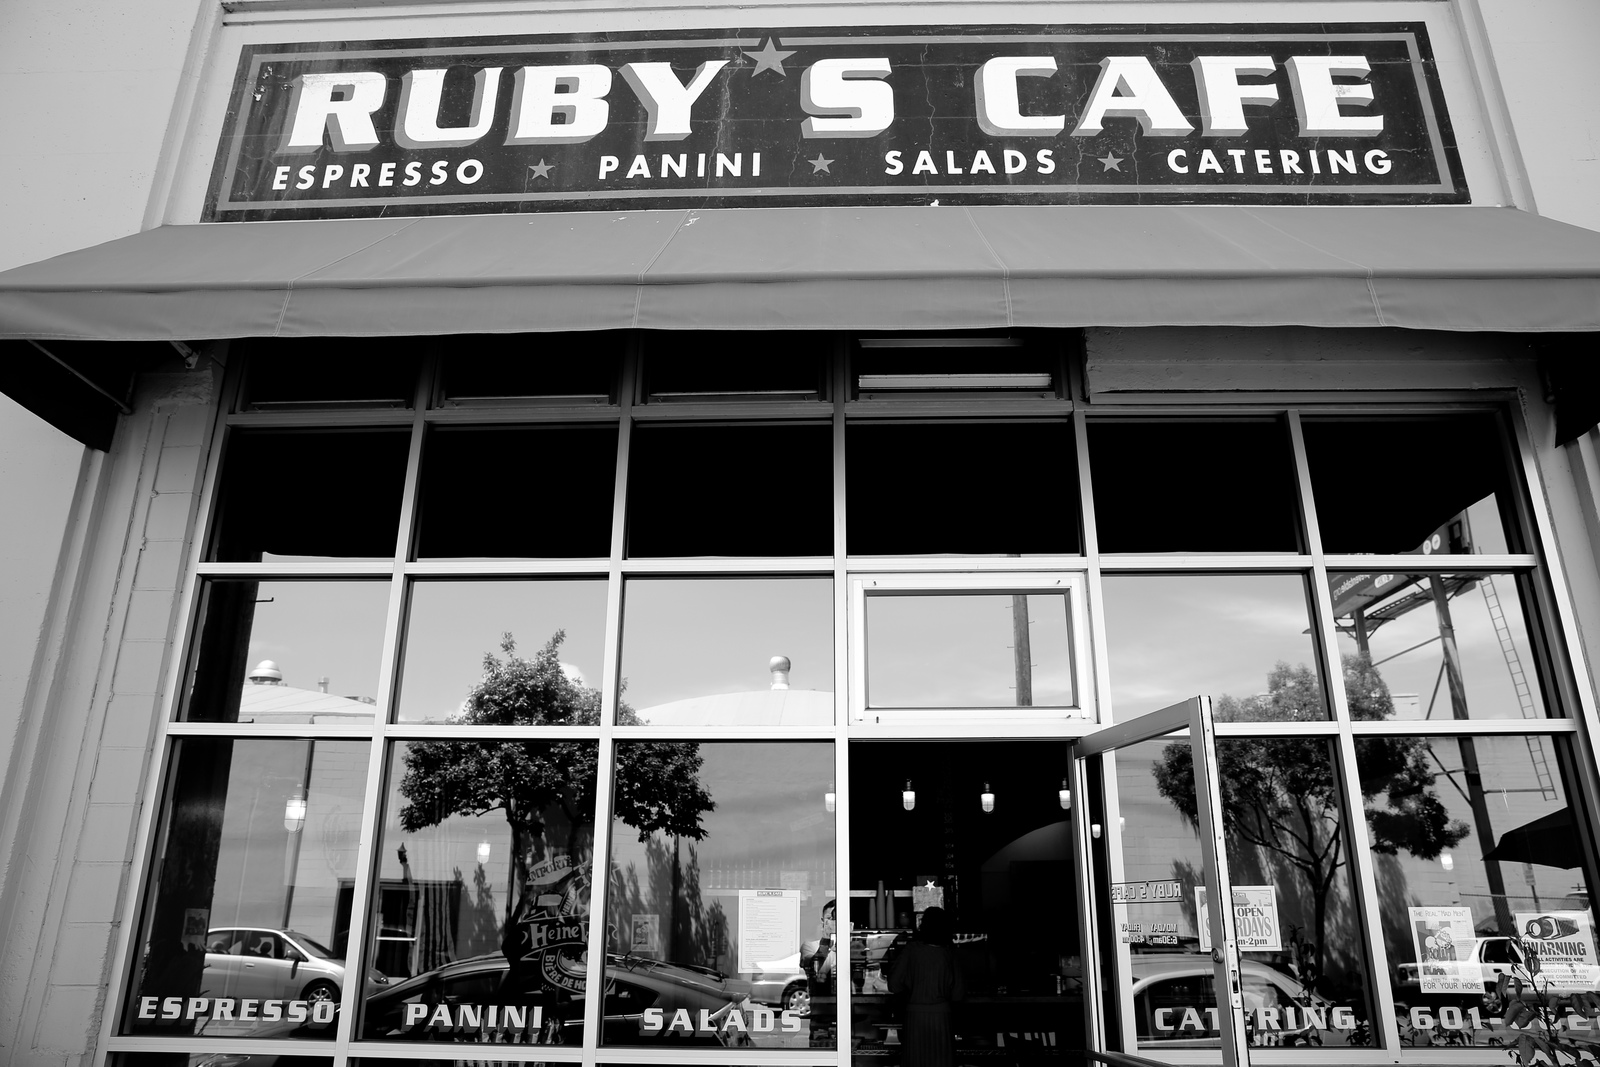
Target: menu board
<point x="769" y="926"/>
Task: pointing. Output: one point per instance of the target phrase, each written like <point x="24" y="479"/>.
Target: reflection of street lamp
<point x="483" y="852"/>
<point x="1447" y="861"/>
<point x="294" y="812"/>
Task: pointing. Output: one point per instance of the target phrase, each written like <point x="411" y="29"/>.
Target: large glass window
<point x="1242" y="639"/>
<point x="721" y="909"/>
<point x="700" y="652"/>
<point x="1482" y="870"/>
<point x="1436" y="646"/>
<point x="462" y="634"/>
<point x="245" y="927"/>
<point x="480" y="914"/>
<point x="288" y="652"/>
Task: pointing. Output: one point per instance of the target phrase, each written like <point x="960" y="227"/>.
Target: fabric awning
<point x="1434" y="267"/>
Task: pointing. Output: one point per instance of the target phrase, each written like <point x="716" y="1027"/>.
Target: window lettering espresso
<point x="973" y="114"/>
<point x="235" y="1009"/>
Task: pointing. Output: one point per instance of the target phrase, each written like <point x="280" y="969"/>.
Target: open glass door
<point x="1169" y="964"/>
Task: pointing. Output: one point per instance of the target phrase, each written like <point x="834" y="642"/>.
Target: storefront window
<point x="969" y="650"/>
<point x="1480" y="871"/>
<point x="1435" y="646"/>
<point x="455" y="628"/>
<point x="288" y="652"/>
<point x="481" y="913"/>
<point x="1304" y="973"/>
<point x="330" y="373"/>
<point x="721" y="905"/>
<point x="523" y="493"/>
<point x="245" y="925"/>
<point x="976" y="835"/>
<point x="1213" y="486"/>
<point x="730" y="491"/>
<point x="734" y="365"/>
<point x="481" y="370"/>
<point x="211" y="1059"/>
<point x="295" y="495"/>
<point x="961" y="487"/>
<point x="1242" y="639"/>
<point x="1424" y="485"/>
<point x="700" y="652"/>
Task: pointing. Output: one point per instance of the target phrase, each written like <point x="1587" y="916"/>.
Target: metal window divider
<point x="844" y="990"/>
<point x="1359" y="841"/>
<point x="367" y="859"/>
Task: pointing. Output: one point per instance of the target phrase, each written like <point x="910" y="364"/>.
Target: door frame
<point x="1194" y="716"/>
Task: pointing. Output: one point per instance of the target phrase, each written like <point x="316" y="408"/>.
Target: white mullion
<point x="606" y="756"/>
<point x="535" y="413"/>
<point x="844" y="991"/>
<point x="462" y="1052"/>
<point x="436" y="731"/>
<point x="149" y="818"/>
<point x="366" y="889"/>
<point x="322" y="418"/>
<point x="288" y="570"/>
<point x="699" y="1057"/>
<point x="724" y="732"/>
<point x="1439" y="563"/>
<point x="1358" y="840"/>
<point x="1277" y="728"/>
<point x="961" y="564"/>
<point x="693" y="565"/>
<point x="1462" y="727"/>
<point x="291" y="731"/>
<point x="522" y="568"/>
<point x="1281" y="561"/>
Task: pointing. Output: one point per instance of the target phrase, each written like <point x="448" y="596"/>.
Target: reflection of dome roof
<point x="284" y="703"/>
<point x="760" y="707"/>
<point x="266" y="673"/>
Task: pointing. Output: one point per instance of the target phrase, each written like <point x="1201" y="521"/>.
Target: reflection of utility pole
<point x="1358" y="620"/>
<point x="1022" y="649"/>
<point x="1469" y="754"/>
<point x="291" y="859"/>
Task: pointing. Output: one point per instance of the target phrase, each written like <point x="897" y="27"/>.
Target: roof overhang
<point x="866" y="268"/>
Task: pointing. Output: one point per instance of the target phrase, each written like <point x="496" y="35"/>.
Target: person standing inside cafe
<point x="928" y="977"/>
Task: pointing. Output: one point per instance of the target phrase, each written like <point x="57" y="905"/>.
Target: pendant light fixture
<point x="483" y="851"/>
<point x="908" y="796"/>
<point x="1447" y="861"/>
<point x="294" y="812"/>
<point x="1064" y="795"/>
<point x="986" y="798"/>
<point x="830" y="799"/>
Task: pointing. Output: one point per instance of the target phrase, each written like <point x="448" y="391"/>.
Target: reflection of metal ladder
<point x="1519" y="682"/>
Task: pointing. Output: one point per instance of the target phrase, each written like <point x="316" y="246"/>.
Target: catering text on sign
<point x="964" y="115"/>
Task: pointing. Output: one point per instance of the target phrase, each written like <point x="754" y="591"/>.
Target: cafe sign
<point x="798" y="116"/>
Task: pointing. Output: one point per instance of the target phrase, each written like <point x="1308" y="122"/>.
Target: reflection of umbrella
<point x="1547" y="840"/>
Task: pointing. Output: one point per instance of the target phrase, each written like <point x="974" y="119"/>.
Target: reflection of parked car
<point x="1175" y="983"/>
<point x="782" y="983"/>
<point x="633" y="985"/>
<point x="1495" y="955"/>
<point x="247" y="961"/>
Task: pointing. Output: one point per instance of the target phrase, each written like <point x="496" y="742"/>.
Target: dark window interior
<point x="310" y="495"/>
<point x="927" y="488"/>
<point x="557" y="366"/>
<point x="528" y="492"/>
<point x="734" y="365"/>
<point x="319" y="372"/>
<point x="1194" y="486"/>
<point x="730" y="491"/>
<point x="1387" y="485"/>
<point x="984" y="363"/>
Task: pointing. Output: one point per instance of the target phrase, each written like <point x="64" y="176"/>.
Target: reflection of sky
<point x="1171" y="637"/>
<point x="315" y="630"/>
<point x="1412" y="675"/>
<point x="956" y="651"/>
<point x="453" y="625"/>
<point x="696" y="637"/>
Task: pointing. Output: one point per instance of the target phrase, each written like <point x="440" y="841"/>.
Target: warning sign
<point x="1563" y="942"/>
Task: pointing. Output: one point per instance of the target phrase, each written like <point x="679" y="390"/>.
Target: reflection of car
<point x="782" y="983"/>
<point x="634" y="984"/>
<point x="248" y="961"/>
<point x="1495" y="955"/>
<point x="1176" y="982"/>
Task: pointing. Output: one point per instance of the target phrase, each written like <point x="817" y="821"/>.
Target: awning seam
<point x="1366" y="269"/>
<point x="639" y="284"/>
<point x="1005" y="271"/>
<point x="288" y="285"/>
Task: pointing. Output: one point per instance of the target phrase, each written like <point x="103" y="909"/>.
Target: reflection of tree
<point x="1279" y="795"/>
<point x="693" y="933"/>
<point x="537" y="783"/>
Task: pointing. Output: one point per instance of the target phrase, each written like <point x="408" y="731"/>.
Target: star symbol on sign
<point x="820" y="165"/>
<point x="770" y="58"/>
<point x="541" y="169"/>
<point x="1111" y="162"/>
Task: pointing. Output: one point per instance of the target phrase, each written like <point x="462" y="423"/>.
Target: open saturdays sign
<point x="971" y="114"/>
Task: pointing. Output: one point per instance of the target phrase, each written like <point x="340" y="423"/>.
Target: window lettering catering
<point x="973" y="114"/>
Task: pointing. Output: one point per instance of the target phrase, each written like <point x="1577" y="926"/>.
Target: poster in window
<point x="1255" y="918"/>
<point x="769" y="926"/>
<point x="1446" y="946"/>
